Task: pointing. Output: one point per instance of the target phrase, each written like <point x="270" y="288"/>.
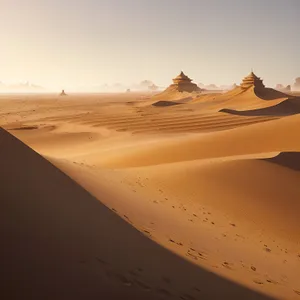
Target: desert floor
<point x="109" y="197"/>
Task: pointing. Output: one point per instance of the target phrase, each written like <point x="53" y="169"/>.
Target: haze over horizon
<point x="63" y="43"/>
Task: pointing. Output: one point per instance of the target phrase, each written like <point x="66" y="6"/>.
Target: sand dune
<point x="181" y="202"/>
<point x="273" y="136"/>
<point x="284" y="108"/>
<point x="60" y="242"/>
<point x="239" y="99"/>
<point x="199" y="204"/>
<point x="270" y="94"/>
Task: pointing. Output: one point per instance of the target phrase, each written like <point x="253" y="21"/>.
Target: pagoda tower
<point x="63" y="93"/>
<point x="252" y="80"/>
<point x="183" y="83"/>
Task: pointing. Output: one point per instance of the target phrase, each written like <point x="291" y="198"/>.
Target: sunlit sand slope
<point x="59" y="242"/>
<point x="274" y="136"/>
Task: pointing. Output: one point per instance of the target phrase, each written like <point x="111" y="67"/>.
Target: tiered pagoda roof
<point x="182" y="83"/>
<point x="181" y="78"/>
<point x="252" y="80"/>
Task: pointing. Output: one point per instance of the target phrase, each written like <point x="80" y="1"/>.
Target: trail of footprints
<point x="195" y="255"/>
<point x="134" y="278"/>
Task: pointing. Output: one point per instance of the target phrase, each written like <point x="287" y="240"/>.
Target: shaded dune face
<point x="289" y="160"/>
<point x="59" y="242"/>
<point x="285" y="108"/>
<point x="269" y="94"/>
<point x="165" y="103"/>
<point x="263" y="102"/>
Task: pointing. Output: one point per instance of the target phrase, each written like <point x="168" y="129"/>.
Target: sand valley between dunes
<point x="110" y="196"/>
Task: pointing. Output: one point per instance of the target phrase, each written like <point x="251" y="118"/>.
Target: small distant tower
<point x="153" y="87"/>
<point x="63" y="93"/>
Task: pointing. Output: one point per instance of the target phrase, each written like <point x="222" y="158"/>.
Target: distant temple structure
<point x="153" y="87"/>
<point x="252" y="80"/>
<point x="63" y="93"/>
<point x="183" y="83"/>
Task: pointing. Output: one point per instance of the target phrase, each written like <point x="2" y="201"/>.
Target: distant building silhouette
<point x="183" y="83"/>
<point x="63" y="93"/>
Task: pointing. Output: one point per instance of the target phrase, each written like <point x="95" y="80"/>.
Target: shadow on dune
<point x="270" y="94"/>
<point x="165" y="103"/>
<point x="289" y="160"/>
<point x="285" y="108"/>
<point x="59" y="242"/>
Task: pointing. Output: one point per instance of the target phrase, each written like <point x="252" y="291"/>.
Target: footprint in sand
<point x="126" y="217"/>
<point x="136" y="272"/>
<point x="178" y="243"/>
<point x="143" y="286"/>
<point x="253" y="268"/>
<point x="123" y="279"/>
<point x="297" y="292"/>
<point x="227" y="265"/>
<point x="257" y="281"/>
<point x="148" y="233"/>
<point x="192" y="255"/>
<point x="103" y="262"/>
<point x="272" y="281"/>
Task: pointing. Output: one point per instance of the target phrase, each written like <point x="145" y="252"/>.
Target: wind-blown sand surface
<point x="120" y="199"/>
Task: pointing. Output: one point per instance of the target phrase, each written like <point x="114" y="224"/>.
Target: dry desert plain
<point x="111" y="197"/>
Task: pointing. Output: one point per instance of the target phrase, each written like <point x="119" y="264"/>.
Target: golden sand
<point x="108" y="196"/>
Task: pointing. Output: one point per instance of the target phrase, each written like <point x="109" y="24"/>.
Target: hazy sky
<point x="84" y="42"/>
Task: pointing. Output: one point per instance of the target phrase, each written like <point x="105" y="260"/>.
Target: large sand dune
<point x="135" y="201"/>
<point x="59" y="242"/>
